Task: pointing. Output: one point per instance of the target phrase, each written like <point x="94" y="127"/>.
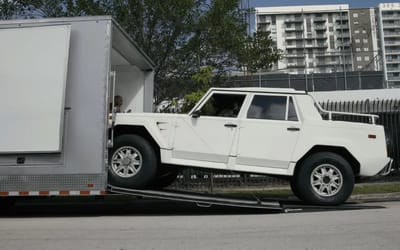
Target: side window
<point x="268" y="107"/>
<point x="272" y="108"/>
<point x="223" y="105"/>
<point x="292" y="116"/>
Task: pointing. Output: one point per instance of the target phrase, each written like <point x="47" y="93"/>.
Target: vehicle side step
<point x="202" y="200"/>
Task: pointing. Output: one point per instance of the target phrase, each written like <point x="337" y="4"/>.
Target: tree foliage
<point x="180" y="36"/>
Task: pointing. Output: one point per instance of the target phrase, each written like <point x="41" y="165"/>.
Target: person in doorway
<point x="118" y="103"/>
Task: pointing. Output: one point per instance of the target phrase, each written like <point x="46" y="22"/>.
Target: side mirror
<point x="196" y="114"/>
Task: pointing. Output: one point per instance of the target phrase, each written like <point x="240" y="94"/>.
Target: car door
<point x="268" y="132"/>
<point x="208" y="133"/>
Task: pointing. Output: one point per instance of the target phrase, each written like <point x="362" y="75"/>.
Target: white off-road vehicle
<point x="280" y="132"/>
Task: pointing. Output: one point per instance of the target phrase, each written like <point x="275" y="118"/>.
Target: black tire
<point x="294" y="188"/>
<point x="123" y="172"/>
<point x="332" y="171"/>
<point x="165" y="176"/>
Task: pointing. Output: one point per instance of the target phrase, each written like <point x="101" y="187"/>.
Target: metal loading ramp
<point x="202" y="200"/>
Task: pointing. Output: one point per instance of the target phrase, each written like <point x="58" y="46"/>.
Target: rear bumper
<point x="387" y="169"/>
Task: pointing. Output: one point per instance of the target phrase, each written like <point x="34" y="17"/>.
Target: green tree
<point x="180" y="36"/>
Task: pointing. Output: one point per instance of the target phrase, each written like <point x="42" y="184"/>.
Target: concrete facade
<point x="314" y="39"/>
<point x="389" y="39"/>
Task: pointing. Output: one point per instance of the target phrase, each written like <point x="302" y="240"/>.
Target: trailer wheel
<point x="325" y="178"/>
<point x="133" y="162"/>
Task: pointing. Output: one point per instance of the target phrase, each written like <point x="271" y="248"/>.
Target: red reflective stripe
<point x="64" y="192"/>
<point x="24" y="193"/>
<point x="85" y="192"/>
<point x="44" y="192"/>
<point x="3" y="193"/>
<point x="103" y="192"/>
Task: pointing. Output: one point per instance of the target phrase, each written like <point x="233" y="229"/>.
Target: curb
<point x="375" y="197"/>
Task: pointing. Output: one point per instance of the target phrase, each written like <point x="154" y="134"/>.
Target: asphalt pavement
<point x="152" y="224"/>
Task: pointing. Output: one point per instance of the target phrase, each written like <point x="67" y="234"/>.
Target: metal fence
<point x="389" y="117"/>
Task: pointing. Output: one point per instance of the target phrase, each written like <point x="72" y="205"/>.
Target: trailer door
<point x="33" y="69"/>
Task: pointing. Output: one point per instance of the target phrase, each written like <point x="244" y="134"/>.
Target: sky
<point x="352" y="3"/>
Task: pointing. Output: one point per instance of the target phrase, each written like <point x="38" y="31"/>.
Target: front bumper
<point x="387" y="169"/>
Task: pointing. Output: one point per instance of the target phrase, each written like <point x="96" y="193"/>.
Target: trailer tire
<point x="325" y="178"/>
<point x="132" y="162"/>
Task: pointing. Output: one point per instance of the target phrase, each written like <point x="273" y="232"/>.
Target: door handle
<point x="230" y="125"/>
<point x="293" y="129"/>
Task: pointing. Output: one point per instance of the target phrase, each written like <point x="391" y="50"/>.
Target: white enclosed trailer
<point x="57" y="79"/>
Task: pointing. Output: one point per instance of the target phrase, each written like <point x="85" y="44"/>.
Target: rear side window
<point x="272" y="108"/>
<point x="223" y="105"/>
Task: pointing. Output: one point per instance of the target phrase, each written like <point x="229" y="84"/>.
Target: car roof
<point x="263" y="90"/>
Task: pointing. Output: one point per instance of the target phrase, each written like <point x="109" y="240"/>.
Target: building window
<point x="355" y="15"/>
<point x="359" y="59"/>
<point x="366" y="58"/>
<point x="355" y="23"/>
<point x="358" y="49"/>
<point x="358" y="41"/>
<point x="366" y="49"/>
<point x="365" y="40"/>
<point x="364" y="31"/>
<point x="357" y="31"/>
<point x="359" y="67"/>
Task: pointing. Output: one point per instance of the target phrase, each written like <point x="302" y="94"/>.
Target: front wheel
<point x="133" y="162"/>
<point x="325" y="178"/>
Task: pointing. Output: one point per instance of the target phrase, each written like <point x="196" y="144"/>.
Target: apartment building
<point x="313" y="38"/>
<point x="364" y="43"/>
<point x="389" y="39"/>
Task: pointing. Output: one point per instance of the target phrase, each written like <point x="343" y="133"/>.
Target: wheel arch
<point x="139" y="130"/>
<point x="342" y="151"/>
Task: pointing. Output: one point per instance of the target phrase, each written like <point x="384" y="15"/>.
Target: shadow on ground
<point x="132" y="206"/>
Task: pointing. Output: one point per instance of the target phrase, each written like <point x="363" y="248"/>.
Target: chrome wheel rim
<point x="326" y="180"/>
<point x="126" y="162"/>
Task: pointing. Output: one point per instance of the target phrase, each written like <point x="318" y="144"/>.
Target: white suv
<point x="279" y="132"/>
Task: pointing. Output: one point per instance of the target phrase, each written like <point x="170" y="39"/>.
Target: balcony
<point x="393" y="61"/>
<point x="294" y="20"/>
<point x="294" y="37"/>
<point x="391" y="34"/>
<point x="294" y="46"/>
<point x="343" y="34"/>
<point x="319" y="20"/>
<point x="321" y="37"/>
<point x="327" y="55"/>
<point x="294" y="28"/>
<point x="320" y="27"/>
<point x="342" y="27"/>
<point x="392" y="52"/>
<point x="296" y="65"/>
<point x="294" y="56"/>
<point x="392" y="43"/>
<point x="317" y="45"/>
<point x="390" y="17"/>
<point x="327" y="64"/>
<point x="393" y="69"/>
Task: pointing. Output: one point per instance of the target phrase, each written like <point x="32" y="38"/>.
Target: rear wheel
<point x="133" y="162"/>
<point x="325" y="178"/>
